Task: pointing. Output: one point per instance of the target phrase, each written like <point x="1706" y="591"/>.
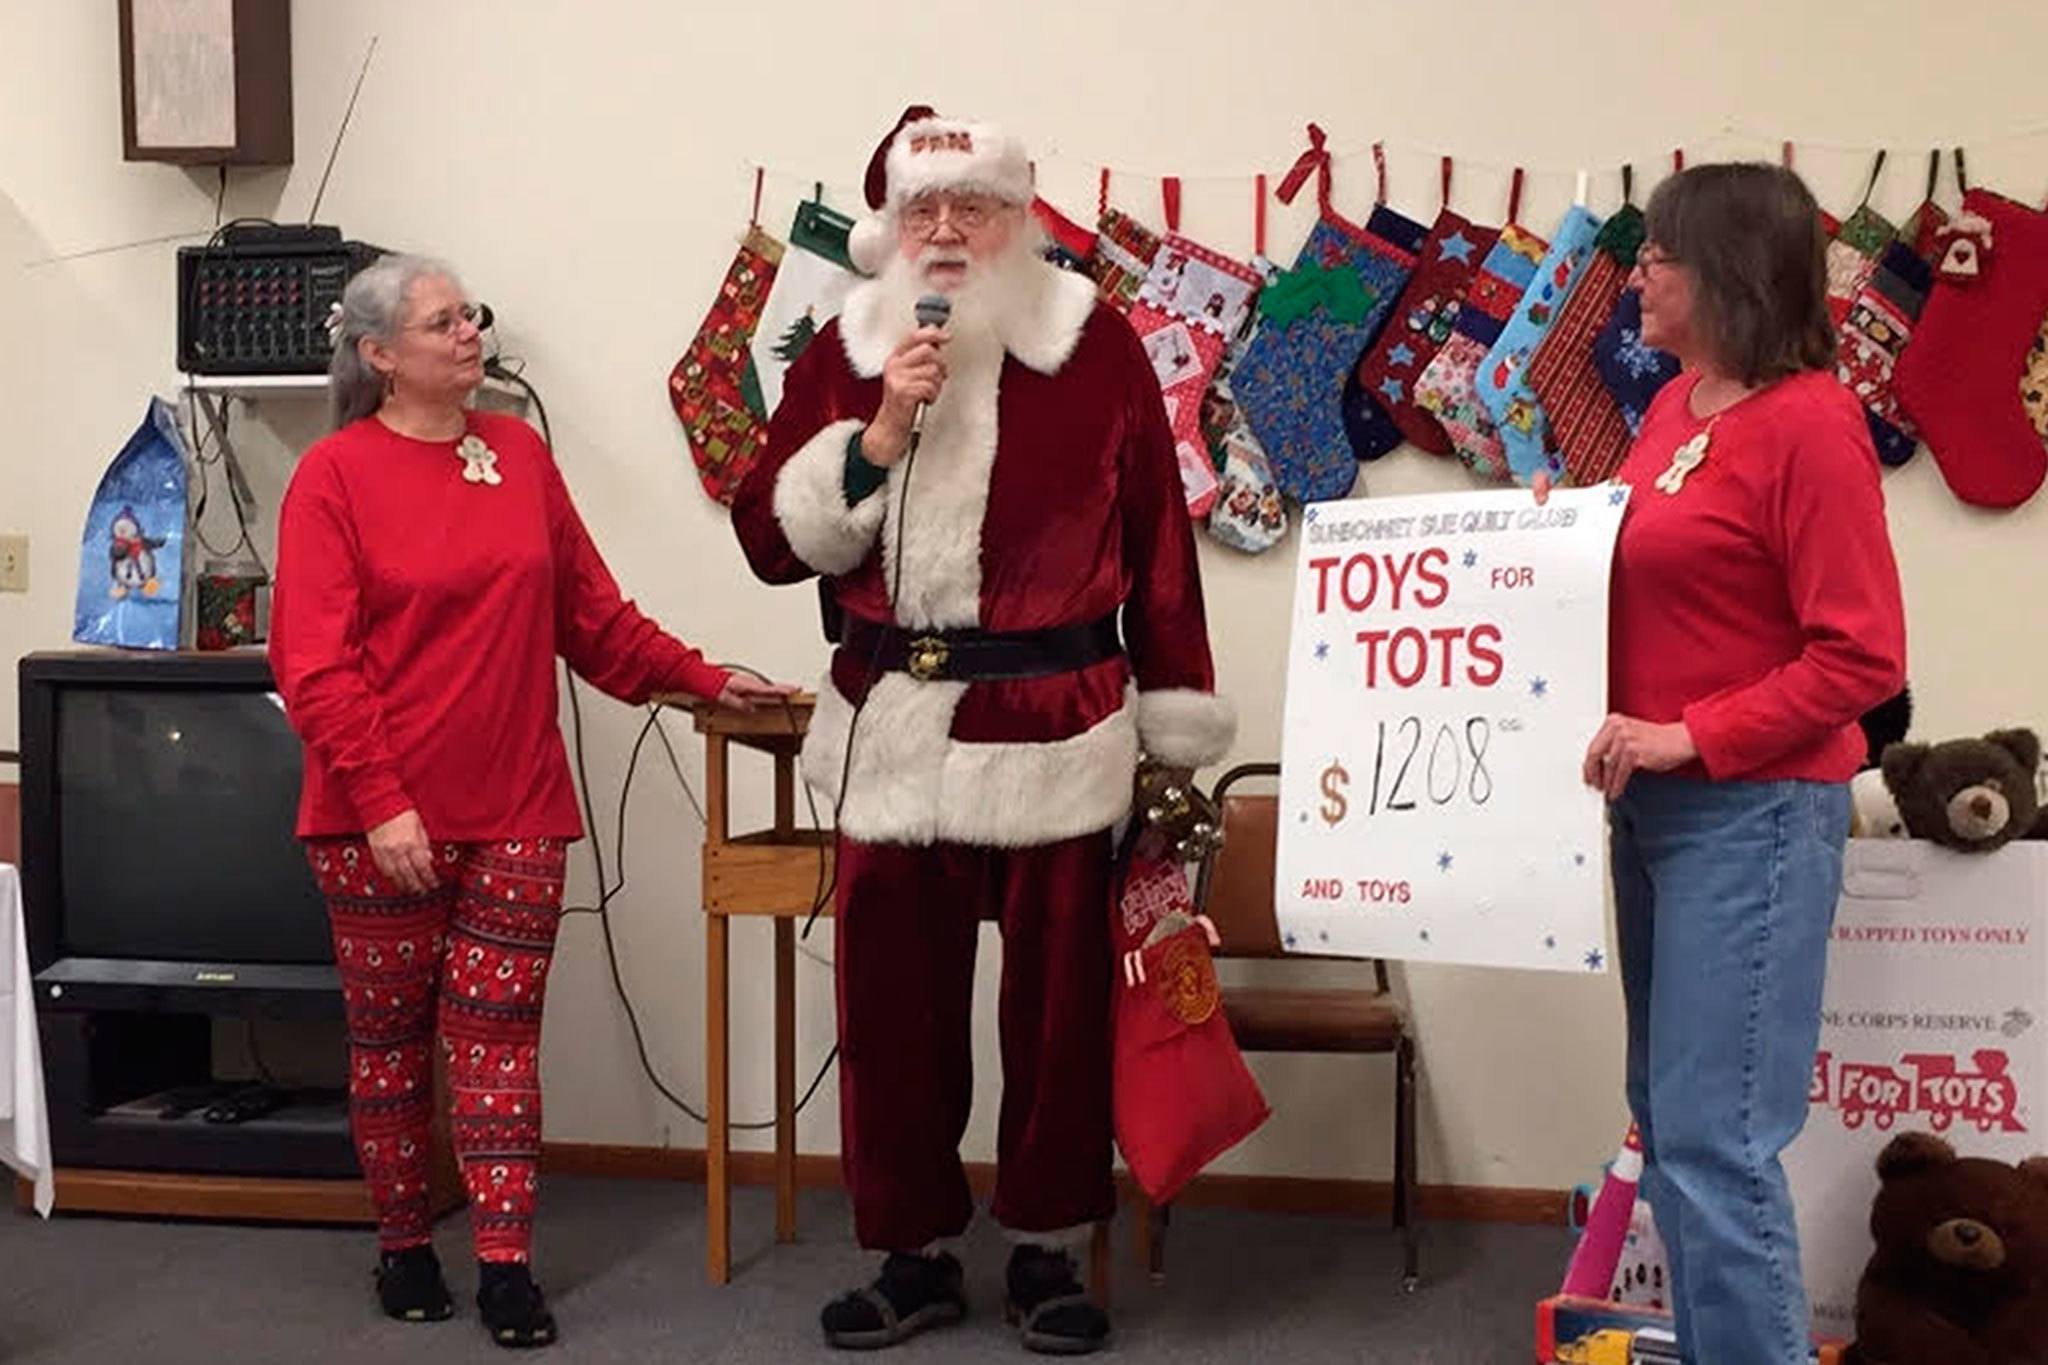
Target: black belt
<point x="982" y="655"/>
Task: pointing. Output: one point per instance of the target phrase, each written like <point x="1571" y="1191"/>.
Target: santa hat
<point x="925" y="152"/>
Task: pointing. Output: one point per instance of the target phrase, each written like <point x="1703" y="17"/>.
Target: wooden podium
<point x="777" y="873"/>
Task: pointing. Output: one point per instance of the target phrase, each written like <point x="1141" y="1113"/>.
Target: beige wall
<point x="586" y="164"/>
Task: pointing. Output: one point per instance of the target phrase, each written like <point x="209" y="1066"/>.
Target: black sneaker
<point x="1052" y="1312"/>
<point x="911" y="1294"/>
<point x="410" y="1287"/>
<point x="515" y="1312"/>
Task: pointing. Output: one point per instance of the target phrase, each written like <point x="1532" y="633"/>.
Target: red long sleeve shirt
<point x="1760" y="604"/>
<point x="415" y="626"/>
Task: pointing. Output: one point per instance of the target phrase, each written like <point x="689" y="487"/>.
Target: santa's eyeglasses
<point x="967" y="213"/>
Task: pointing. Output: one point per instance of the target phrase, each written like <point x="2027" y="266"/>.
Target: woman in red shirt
<point x="430" y="569"/>
<point x="1756" y="616"/>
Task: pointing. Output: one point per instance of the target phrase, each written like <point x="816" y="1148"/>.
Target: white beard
<point x="993" y="298"/>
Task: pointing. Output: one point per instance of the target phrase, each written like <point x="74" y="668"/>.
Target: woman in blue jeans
<point x="1756" y="616"/>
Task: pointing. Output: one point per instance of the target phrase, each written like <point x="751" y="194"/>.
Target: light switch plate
<point x="13" y="563"/>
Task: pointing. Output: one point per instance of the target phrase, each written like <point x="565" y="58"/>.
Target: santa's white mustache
<point x="937" y="255"/>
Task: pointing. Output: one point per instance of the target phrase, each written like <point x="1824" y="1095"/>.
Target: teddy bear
<point x="1970" y="794"/>
<point x="1960" y="1274"/>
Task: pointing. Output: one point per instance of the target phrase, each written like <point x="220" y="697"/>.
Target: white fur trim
<point x="1184" y="728"/>
<point x="869" y="242"/>
<point x="810" y="504"/>
<point x="912" y="783"/>
<point x="1040" y="330"/>
<point x="943" y="153"/>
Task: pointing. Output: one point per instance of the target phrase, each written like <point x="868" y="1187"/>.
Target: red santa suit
<point x="1045" y="496"/>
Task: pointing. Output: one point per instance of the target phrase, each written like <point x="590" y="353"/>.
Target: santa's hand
<point x="914" y="373"/>
<point x="1134" y="967"/>
<point x="402" y="853"/>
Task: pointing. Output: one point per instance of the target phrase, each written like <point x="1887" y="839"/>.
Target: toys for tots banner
<point x="1934" y="1019"/>
<point x="1447" y="666"/>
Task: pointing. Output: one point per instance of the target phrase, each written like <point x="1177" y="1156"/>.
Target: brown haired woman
<point x="1756" y="616"/>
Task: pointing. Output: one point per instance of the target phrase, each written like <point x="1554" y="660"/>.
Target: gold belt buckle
<point x="927" y="657"/>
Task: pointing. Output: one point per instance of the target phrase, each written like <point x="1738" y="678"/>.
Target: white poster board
<point x="1934" y="1019"/>
<point x="1447" y="667"/>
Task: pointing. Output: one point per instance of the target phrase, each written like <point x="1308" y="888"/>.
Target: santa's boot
<point x="911" y="1294"/>
<point x="1052" y="1312"/>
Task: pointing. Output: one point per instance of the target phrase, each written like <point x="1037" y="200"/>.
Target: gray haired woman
<point x="431" y="568"/>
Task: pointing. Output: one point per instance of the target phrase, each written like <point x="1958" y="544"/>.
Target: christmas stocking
<point x="813" y="281"/>
<point x="1503" y="379"/>
<point x="1585" y="425"/>
<point x="1124" y="249"/>
<point x="1315" y="321"/>
<point x="1068" y="245"/>
<point x="1448" y="387"/>
<point x="1853" y="254"/>
<point x="1876" y="330"/>
<point x="1191" y="303"/>
<point x="1250" y="514"/>
<point x="2034" y="383"/>
<point x="1379" y="405"/>
<point x="710" y="386"/>
<point x="1956" y="379"/>
<point x="1632" y="372"/>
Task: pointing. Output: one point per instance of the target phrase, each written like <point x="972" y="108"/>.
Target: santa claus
<point x="997" y="505"/>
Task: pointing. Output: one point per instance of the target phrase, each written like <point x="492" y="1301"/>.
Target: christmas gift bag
<point x="1632" y="371"/>
<point x="1585" y="424"/>
<point x="1190" y="304"/>
<point x="1503" y="384"/>
<point x="1380" y="410"/>
<point x="1181" y="1093"/>
<point x="131" y="555"/>
<point x="1448" y="387"/>
<point x="1315" y="321"/>
<point x="811" y="283"/>
<point x="713" y="390"/>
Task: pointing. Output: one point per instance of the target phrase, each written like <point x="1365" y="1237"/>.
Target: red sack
<point x="1182" y="1095"/>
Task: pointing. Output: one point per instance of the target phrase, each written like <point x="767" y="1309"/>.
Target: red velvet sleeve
<point x="1826" y="525"/>
<point x="605" y="638"/>
<point x="316" y="644"/>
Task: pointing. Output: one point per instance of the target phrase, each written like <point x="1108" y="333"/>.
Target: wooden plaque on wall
<point x="207" y="82"/>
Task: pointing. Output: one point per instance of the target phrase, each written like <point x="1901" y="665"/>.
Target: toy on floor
<point x="1574" y="1331"/>
<point x="1960" y="1274"/>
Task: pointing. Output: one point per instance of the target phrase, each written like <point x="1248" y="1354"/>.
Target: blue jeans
<point x="1725" y="894"/>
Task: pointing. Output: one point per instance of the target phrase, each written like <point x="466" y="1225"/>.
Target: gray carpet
<point x="623" y="1266"/>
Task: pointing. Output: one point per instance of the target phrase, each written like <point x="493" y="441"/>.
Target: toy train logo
<point x="1927" y="1085"/>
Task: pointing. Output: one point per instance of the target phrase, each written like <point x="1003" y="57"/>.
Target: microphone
<point x="933" y="310"/>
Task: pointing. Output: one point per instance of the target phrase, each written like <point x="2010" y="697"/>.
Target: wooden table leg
<point x="717" y="1068"/>
<point x="785" y="1080"/>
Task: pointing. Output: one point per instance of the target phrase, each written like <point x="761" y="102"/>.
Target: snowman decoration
<point x="131" y="557"/>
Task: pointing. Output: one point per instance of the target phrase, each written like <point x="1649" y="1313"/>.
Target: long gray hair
<point x="373" y="305"/>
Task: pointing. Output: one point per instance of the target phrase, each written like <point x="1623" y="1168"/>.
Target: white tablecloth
<point x="24" y="1118"/>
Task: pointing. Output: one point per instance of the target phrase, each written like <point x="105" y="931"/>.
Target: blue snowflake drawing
<point x="1287" y="940"/>
<point x="1617" y="496"/>
<point x="1639" y="360"/>
<point x="1539" y="687"/>
<point x="1323" y="935"/>
<point x="1471" y="558"/>
<point x="1550" y="940"/>
<point x="1304" y="817"/>
<point x="1443" y="862"/>
<point x="1322" y="650"/>
<point x="1310" y="514"/>
<point x="1578" y="860"/>
<point x="1425" y="935"/>
<point x="1595" y="959"/>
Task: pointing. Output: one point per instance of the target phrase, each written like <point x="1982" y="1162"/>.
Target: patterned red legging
<point x="481" y="943"/>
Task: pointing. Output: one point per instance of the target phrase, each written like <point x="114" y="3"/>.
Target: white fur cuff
<point x="810" y="504"/>
<point x="1184" y="728"/>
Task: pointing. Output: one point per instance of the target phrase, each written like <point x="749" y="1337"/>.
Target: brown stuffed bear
<point x="1960" y="1276"/>
<point x="1970" y="794"/>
